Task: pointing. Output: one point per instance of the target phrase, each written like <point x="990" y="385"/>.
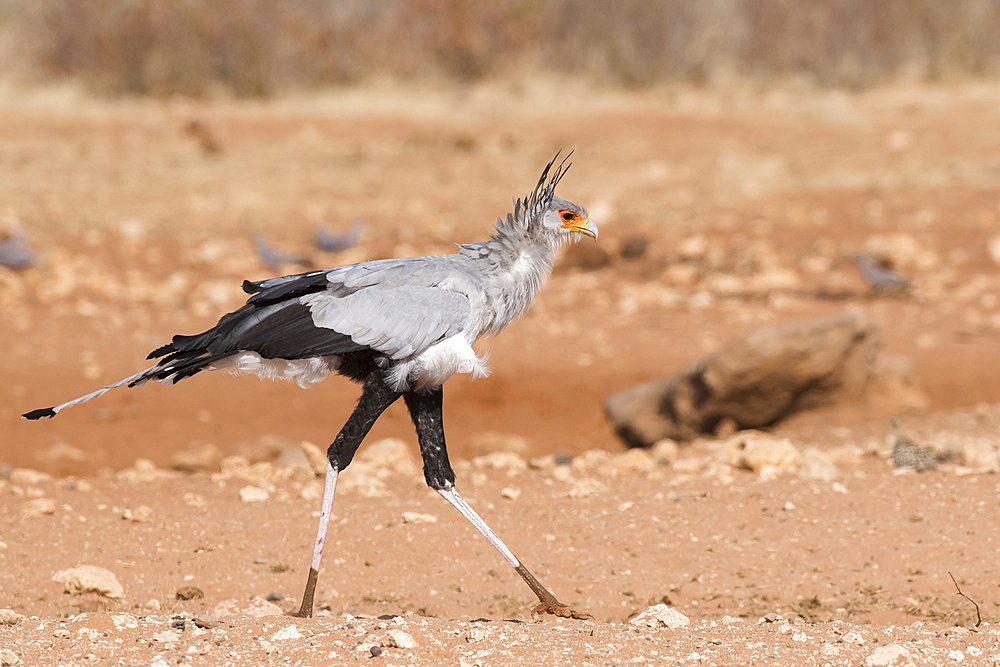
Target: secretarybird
<point x="399" y="327"/>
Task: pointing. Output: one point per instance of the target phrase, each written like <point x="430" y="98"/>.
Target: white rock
<point x="510" y="493"/>
<point x="39" y="507"/>
<point x="387" y="454"/>
<point x="124" y="621"/>
<point x="757" y="451"/>
<point x="8" y="657"/>
<point x="661" y="616"/>
<point x="315" y="456"/>
<point x="27" y="477"/>
<point x="288" y="632"/>
<point x="396" y="638"/>
<point x="254" y="608"/>
<point x="253" y="494"/>
<point x="853" y="638"/>
<point x="140" y="514"/>
<point x="502" y="460"/>
<point x="90" y="579"/>
<point x="634" y="460"/>
<point x="816" y="465"/>
<point x="417" y="517"/>
<point x="665" y="451"/>
<point x="494" y="441"/>
<point x="476" y="634"/>
<point x="166" y="636"/>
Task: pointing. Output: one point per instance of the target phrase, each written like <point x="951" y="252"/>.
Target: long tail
<point x="132" y="380"/>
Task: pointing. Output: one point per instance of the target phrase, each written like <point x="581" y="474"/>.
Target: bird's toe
<point x="561" y="610"/>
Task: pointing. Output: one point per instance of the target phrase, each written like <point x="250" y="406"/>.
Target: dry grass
<point x="262" y="47"/>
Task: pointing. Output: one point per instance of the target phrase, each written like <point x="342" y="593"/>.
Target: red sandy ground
<point x="144" y="231"/>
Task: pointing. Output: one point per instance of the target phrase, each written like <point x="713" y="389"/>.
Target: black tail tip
<point x="39" y="413"/>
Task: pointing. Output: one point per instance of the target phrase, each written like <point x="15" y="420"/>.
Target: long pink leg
<point x="329" y="487"/>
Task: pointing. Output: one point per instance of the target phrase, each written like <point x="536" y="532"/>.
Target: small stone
<point x="890" y="654"/>
<point x="198" y="457"/>
<point x="124" y="621"/>
<point x="27" y="477"/>
<point x="166" y="637"/>
<point x="757" y="451"/>
<point x="10" y="617"/>
<point x="152" y="604"/>
<point x="771" y="617"/>
<point x="664" y="451"/>
<point x="387" y="454"/>
<point x="396" y="638"/>
<point x="814" y="464"/>
<point x="375" y="650"/>
<point x="190" y="593"/>
<point x="254" y="608"/>
<point x="417" y="517"/>
<point x="315" y="456"/>
<point x="8" y="657"/>
<point x="253" y="494"/>
<point x="510" y="493"/>
<point x="853" y="638"/>
<point x="633" y="460"/>
<point x="501" y="460"/>
<point x="39" y="507"/>
<point x="661" y="616"/>
<point x="61" y="633"/>
<point x="90" y="579"/>
<point x="476" y="634"/>
<point x="494" y="441"/>
<point x="205" y="621"/>
<point x="288" y="632"/>
<point x="140" y="514"/>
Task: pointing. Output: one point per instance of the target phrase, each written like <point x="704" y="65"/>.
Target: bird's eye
<point x="567" y="216"/>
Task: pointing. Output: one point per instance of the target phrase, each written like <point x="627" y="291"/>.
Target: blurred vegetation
<point x="262" y="47"/>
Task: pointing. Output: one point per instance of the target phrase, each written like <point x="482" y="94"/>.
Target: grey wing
<point x="397" y="321"/>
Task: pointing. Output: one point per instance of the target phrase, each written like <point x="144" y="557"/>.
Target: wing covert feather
<point x="397" y="321"/>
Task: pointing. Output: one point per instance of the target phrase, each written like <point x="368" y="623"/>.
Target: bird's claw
<point x="561" y="610"/>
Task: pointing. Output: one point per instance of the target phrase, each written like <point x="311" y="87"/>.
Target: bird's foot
<point x="559" y="609"/>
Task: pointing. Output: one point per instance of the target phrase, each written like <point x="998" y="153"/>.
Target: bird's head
<point x="545" y="213"/>
<point x="566" y="218"/>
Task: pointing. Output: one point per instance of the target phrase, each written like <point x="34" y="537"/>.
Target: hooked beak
<point x="586" y="227"/>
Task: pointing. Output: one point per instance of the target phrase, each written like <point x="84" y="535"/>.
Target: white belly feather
<point x="436" y="364"/>
<point x="429" y="368"/>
